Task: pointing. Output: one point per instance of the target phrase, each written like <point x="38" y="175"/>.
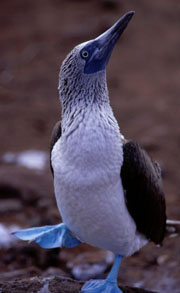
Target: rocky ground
<point x="53" y="285"/>
<point x="143" y="78"/>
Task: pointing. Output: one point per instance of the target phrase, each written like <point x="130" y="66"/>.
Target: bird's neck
<point x="83" y="96"/>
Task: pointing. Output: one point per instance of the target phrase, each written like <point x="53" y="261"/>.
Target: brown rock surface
<point x="52" y="285"/>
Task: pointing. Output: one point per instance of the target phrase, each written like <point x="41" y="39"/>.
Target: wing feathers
<point x="141" y="178"/>
<point x="56" y="134"/>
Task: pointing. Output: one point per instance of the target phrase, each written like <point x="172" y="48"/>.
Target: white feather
<point x="88" y="187"/>
<point x="87" y="160"/>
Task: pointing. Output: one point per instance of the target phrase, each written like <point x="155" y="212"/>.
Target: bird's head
<point x="87" y="61"/>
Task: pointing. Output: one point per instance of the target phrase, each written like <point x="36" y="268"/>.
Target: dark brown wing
<point x="141" y="179"/>
<point x="56" y="134"/>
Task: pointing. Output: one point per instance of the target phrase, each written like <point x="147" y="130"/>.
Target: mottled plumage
<point x="108" y="191"/>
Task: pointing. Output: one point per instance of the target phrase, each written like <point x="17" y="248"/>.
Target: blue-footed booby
<point x="108" y="190"/>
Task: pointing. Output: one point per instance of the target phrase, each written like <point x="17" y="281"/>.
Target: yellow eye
<point x="85" y="54"/>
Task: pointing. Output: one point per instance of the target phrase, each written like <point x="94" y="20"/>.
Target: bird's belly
<point x="89" y="192"/>
<point x="97" y="215"/>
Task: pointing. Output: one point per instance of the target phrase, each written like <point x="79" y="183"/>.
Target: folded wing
<point x="141" y="179"/>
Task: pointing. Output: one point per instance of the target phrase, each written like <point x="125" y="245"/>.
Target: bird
<point x="108" y="189"/>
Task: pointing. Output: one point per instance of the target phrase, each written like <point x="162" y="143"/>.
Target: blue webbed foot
<point x="49" y="236"/>
<point x="100" y="286"/>
<point x="105" y="286"/>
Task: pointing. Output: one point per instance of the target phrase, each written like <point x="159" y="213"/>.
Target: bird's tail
<point x="172" y="228"/>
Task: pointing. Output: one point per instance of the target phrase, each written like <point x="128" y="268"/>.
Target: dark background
<point x="144" y="83"/>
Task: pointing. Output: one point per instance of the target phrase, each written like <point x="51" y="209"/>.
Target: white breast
<point x="88" y="187"/>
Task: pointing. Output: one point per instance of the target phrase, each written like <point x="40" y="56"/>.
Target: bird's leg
<point x="113" y="274"/>
<point x="109" y="285"/>
<point x="49" y="236"/>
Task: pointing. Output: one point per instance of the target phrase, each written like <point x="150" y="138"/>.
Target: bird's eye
<point x="84" y="54"/>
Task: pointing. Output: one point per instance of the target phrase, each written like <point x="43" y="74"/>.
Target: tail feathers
<point x="49" y="236"/>
<point x="172" y="228"/>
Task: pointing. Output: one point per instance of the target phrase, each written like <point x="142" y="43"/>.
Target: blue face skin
<point x="97" y="52"/>
<point x="95" y="57"/>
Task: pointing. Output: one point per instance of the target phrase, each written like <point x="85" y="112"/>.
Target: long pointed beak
<point x="114" y="32"/>
<point x="104" y="44"/>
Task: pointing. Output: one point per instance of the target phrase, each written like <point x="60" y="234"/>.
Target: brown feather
<point x="141" y="179"/>
<point x="56" y="134"/>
